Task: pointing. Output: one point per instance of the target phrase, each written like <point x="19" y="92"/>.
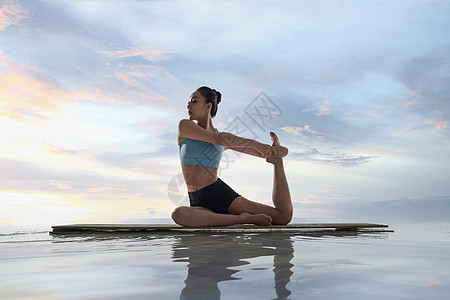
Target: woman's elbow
<point x="220" y="139"/>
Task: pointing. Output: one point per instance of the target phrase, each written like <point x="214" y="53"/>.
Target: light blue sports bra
<point x="198" y="153"/>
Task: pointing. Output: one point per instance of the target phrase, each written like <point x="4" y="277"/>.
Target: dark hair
<point x="211" y="96"/>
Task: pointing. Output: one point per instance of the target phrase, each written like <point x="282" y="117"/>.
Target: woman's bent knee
<point x="284" y="219"/>
<point x="180" y="215"/>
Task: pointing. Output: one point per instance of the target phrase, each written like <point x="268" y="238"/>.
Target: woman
<point x="213" y="202"/>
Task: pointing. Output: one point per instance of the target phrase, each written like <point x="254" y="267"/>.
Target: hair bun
<point x="218" y="95"/>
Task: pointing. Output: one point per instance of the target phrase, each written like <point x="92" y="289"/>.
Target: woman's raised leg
<point x="281" y="195"/>
<point x="282" y="211"/>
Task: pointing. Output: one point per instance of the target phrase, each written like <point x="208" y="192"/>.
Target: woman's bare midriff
<point x="198" y="177"/>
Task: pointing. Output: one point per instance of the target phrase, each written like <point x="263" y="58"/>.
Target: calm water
<point x="411" y="263"/>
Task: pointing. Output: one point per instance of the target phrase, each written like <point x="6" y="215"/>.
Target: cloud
<point x="411" y="105"/>
<point x="61" y="184"/>
<point x="301" y="130"/>
<point x="426" y="76"/>
<point x="132" y="84"/>
<point x="11" y="14"/>
<point x="87" y="182"/>
<point x="123" y="78"/>
<point x="437" y="124"/>
<point x="59" y="150"/>
<point x="149" y="53"/>
<point x="29" y="93"/>
<point x="103" y="189"/>
<point x="139" y="74"/>
<point x="332" y="157"/>
<point x="429" y="125"/>
<point x="27" y="98"/>
<point x="323" y="108"/>
<point x="118" y="73"/>
<point x="431" y="283"/>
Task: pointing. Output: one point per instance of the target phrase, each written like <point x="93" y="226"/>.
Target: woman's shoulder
<point x="185" y="129"/>
<point x="190" y="129"/>
<point x="186" y="123"/>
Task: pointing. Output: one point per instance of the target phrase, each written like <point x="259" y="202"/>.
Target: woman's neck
<point x="206" y="123"/>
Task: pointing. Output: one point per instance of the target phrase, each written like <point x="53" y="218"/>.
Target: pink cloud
<point x="102" y="189"/>
<point x="299" y="130"/>
<point x="323" y="108"/>
<point x="437" y="124"/>
<point x="149" y="71"/>
<point x="411" y="105"/>
<point x="11" y="14"/>
<point x="61" y="184"/>
<point x="60" y="150"/>
<point x="429" y="125"/>
<point x="149" y="53"/>
<point x="129" y="80"/>
<point x="431" y="283"/>
<point x="28" y="94"/>
<point x="26" y="98"/>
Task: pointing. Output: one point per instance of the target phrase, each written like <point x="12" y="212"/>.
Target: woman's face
<point x="197" y="107"/>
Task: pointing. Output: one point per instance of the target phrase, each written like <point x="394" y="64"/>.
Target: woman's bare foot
<point x="280" y="150"/>
<point x="257" y="219"/>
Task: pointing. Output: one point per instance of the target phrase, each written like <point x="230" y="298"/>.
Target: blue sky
<point x="91" y="93"/>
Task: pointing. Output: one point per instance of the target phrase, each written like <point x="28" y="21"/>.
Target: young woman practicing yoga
<point x="212" y="201"/>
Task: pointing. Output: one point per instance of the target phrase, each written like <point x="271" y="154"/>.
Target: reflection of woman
<point x="213" y="202"/>
<point x="208" y="266"/>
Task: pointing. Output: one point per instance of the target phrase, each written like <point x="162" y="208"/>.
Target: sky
<point x="91" y="93"/>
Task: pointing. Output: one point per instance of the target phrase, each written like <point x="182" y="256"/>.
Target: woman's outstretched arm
<point x="247" y="150"/>
<point x="277" y="150"/>
<point x="189" y="129"/>
<point x="248" y="146"/>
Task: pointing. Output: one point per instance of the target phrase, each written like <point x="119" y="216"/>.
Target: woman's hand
<point x="266" y="150"/>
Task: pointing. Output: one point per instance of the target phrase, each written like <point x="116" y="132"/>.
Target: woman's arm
<point x="247" y="150"/>
<point x="189" y="129"/>
<point x="248" y="146"/>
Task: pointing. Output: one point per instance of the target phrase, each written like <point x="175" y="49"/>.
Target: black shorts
<point x="216" y="197"/>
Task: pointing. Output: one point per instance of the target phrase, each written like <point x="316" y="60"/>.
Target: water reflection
<point x="216" y="262"/>
<point x="214" y="258"/>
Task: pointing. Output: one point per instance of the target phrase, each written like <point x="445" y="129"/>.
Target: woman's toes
<point x="275" y="140"/>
